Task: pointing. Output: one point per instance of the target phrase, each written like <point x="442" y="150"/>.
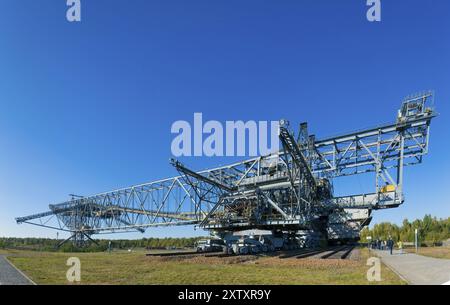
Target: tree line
<point x="431" y="230"/>
<point x="47" y="244"/>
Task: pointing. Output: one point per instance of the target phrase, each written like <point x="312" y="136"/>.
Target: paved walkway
<point x="417" y="269"/>
<point x="9" y="275"/>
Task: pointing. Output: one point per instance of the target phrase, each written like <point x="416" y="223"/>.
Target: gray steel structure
<point x="287" y="191"/>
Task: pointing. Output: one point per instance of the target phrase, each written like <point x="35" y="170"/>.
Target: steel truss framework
<point x="287" y="182"/>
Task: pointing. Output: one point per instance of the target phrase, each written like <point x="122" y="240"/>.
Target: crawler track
<point x="332" y="253"/>
<point x="219" y="255"/>
<point x="180" y="254"/>
<point x="296" y="253"/>
<point x="312" y="253"/>
<point x="341" y="253"/>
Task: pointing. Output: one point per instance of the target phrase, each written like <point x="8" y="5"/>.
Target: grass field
<point x="437" y="252"/>
<point x="136" y="268"/>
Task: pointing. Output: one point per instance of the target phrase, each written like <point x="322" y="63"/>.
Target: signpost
<point x="416" y="240"/>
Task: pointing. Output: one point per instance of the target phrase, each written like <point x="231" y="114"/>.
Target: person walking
<point x="400" y="246"/>
<point x="390" y="244"/>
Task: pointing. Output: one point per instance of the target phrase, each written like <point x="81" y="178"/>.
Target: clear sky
<point x="87" y="107"/>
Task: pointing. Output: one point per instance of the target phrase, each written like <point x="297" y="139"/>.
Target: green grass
<point x="437" y="252"/>
<point x="136" y="268"/>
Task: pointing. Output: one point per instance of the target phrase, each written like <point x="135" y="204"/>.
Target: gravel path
<point x="417" y="269"/>
<point x="9" y="275"/>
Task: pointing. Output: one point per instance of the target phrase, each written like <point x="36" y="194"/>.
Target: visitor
<point x="400" y="246"/>
<point x="390" y="244"/>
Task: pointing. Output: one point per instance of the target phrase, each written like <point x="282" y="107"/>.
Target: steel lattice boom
<point x="289" y="190"/>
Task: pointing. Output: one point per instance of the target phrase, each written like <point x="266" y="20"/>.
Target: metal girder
<point x="291" y="148"/>
<point x="341" y="155"/>
<point x="184" y="170"/>
<point x="195" y="197"/>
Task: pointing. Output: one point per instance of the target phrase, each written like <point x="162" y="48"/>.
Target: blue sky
<point x="87" y="107"/>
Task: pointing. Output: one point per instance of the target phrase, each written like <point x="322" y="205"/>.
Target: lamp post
<point x="416" y="239"/>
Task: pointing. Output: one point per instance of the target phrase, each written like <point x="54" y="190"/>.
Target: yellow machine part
<point x="388" y="188"/>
